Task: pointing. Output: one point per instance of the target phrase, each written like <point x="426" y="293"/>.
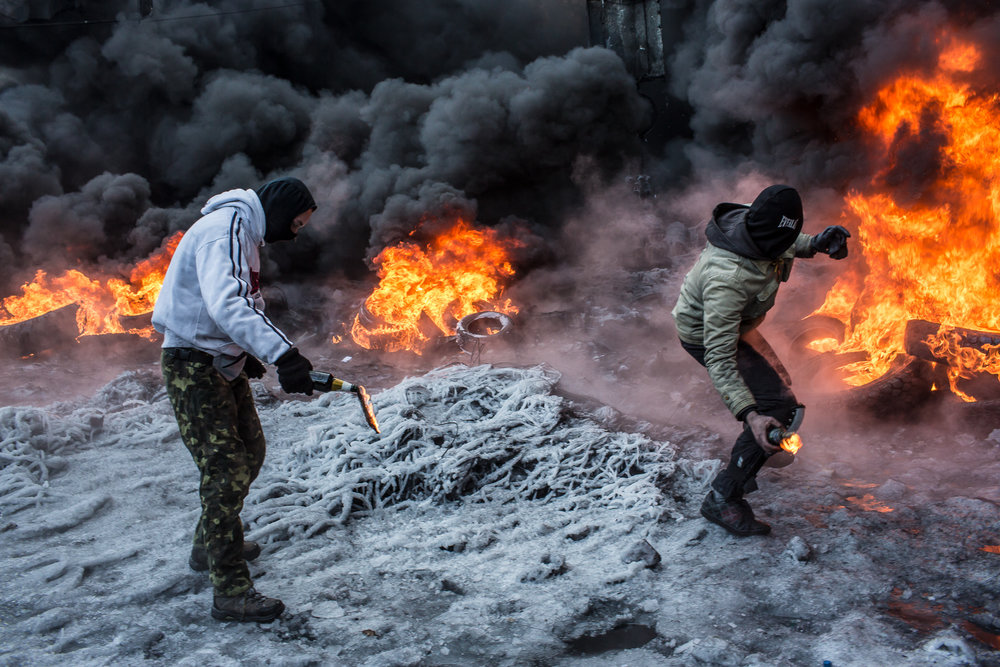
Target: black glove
<point x="293" y="373"/>
<point x="832" y="241"/>
<point x="253" y="368"/>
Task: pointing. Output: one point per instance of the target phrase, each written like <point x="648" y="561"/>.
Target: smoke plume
<point x="114" y="129"/>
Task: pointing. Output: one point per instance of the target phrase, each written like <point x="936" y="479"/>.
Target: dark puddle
<point x="630" y="635"/>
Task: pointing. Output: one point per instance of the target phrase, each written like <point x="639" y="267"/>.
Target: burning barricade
<point x="911" y="312"/>
<point x="446" y="288"/>
<point x="51" y="309"/>
<point x="449" y="287"/>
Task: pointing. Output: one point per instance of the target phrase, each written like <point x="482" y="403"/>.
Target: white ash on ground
<point x="493" y="522"/>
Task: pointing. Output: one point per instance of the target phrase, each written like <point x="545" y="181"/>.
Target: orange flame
<point x="100" y="305"/>
<point x="791" y="443"/>
<point x="823" y="344"/>
<point x="929" y="259"/>
<point x="457" y="273"/>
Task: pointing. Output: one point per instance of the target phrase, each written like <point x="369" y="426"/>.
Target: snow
<point x="508" y="514"/>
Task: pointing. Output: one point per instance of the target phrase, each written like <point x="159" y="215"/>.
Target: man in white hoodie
<point x="211" y="314"/>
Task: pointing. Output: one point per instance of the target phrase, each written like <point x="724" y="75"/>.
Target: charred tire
<point x="477" y="328"/>
<point x="483" y="325"/>
<point x="49" y="330"/>
<point x="907" y="385"/>
<point x="812" y="328"/>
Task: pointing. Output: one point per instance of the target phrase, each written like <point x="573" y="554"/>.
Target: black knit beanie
<point x="775" y="219"/>
<point x="283" y="199"/>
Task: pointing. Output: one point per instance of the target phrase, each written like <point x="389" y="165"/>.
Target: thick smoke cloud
<point x="780" y="83"/>
<point x="507" y="141"/>
<point x="262" y="117"/>
<point x="395" y="110"/>
<point x="76" y="227"/>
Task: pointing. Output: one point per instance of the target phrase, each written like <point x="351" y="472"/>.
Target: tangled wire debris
<point x="31" y="442"/>
<point x="476" y="434"/>
<point x="481" y="434"/>
<point x="35" y="442"/>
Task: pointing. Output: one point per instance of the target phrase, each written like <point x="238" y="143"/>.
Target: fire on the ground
<point x="102" y="301"/>
<point x="926" y="257"/>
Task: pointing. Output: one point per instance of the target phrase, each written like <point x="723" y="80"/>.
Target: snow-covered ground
<point x="525" y="509"/>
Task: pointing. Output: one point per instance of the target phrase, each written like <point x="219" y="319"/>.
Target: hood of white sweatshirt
<point x="247" y="203"/>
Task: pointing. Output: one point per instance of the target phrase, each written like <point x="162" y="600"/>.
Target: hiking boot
<point x="247" y="606"/>
<point x="199" y="555"/>
<point x="733" y="515"/>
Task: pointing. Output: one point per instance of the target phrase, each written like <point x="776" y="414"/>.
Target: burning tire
<point x="375" y="333"/>
<point x="815" y="361"/>
<point x="51" y="329"/>
<point x="478" y="327"/>
<point x="907" y="384"/>
<point x="815" y="328"/>
<point x="368" y="319"/>
<point x="979" y="384"/>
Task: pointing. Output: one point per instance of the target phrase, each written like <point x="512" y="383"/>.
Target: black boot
<point x="734" y="515"/>
<point x="199" y="556"/>
<point x="247" y="606"/>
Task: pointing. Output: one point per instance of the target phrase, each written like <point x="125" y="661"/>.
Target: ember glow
<point x="869" y="503"/>
<point x="425" y="289"/>
<point x="929" y="257"/>
<point x="101" y="305"/>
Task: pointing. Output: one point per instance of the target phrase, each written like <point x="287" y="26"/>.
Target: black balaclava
<point x="283" y="199"/>
<point x="775" y="219"/>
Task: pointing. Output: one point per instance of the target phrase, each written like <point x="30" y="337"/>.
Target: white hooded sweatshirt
<point x="211" y="297"/>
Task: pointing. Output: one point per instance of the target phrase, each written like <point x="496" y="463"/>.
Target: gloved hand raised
<point x="832" y="241"/>
<point x="253" y="368"/>
<point x="293" y="373"/>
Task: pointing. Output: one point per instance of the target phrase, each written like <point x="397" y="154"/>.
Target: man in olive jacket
<point x="723" y="299"/>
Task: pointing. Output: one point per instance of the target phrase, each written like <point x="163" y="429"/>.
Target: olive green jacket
<point x="723" y="296"/>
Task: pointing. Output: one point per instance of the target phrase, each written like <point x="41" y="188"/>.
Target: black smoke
<point x="114" y="130"/>
<point x="387" y="109"/>
<point x="778" y="84"/>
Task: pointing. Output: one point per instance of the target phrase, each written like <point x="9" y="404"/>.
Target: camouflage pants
<point x="219" y="426"/>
